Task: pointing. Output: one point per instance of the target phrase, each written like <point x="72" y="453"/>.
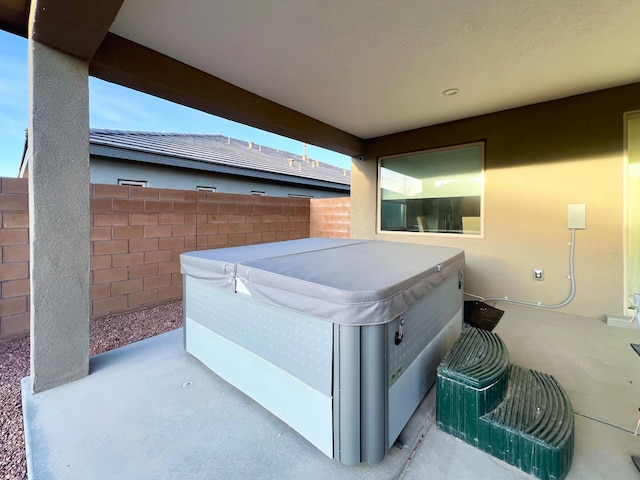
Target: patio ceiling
<point x="336" y="73"/>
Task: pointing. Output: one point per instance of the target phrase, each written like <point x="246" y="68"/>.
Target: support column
<point x="59" y="220"/>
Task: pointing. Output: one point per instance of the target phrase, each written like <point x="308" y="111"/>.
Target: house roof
<point x="216" y="153"/>
<point x="338" y="74"/>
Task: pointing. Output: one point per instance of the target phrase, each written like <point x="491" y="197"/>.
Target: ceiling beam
<point x="80" y="28"/>
<point x="75" y="27"/>
<point x="126" y="63"/>
<point x="14" y="16"/>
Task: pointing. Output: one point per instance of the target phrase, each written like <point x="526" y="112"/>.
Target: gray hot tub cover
<point x="218" y="267"/>
<point x="350" y="282"/>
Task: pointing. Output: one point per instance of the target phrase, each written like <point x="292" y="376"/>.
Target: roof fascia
<point x="75" y="27"/>
<point x="123" y="154"/>
<point x="127" y="63"/>
<point x="14" y="16"/>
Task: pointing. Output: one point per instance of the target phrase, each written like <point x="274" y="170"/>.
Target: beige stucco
<point x="538" y="160"/>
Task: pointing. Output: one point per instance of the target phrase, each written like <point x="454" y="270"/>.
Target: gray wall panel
<point x="109" y="171"/>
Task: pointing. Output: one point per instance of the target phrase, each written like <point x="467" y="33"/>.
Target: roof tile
<point x="221" y="150"/>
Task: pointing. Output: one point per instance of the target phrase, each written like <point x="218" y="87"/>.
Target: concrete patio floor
<point x="151" y="411"/>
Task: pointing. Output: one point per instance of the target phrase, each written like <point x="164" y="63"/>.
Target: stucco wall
<point x="538" y="160"/>
<point x="108" y="171"/>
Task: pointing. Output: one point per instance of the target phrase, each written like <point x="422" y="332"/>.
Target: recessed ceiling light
<point x="450" y="92"/>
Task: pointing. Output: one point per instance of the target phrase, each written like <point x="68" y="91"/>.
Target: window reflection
<point x="436" y="191"/>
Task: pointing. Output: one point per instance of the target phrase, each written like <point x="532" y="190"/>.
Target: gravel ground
<point x="106" y="334"/>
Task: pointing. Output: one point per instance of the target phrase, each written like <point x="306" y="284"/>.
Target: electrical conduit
<point x="538" y="304"/>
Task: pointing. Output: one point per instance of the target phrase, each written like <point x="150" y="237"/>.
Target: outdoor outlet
<point x="577" y="215"/>
<point x="538" y="274"/>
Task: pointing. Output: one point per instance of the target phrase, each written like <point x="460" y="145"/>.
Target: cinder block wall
<point x="330" y="217"/>
<point x="137" y="236"/>
<point x="14" y="258"/>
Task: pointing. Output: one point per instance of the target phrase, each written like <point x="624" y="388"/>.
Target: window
<point x="435" y="191"/>
<point x="132" y="183"/>
<point x="256" y="192"/>
<point x="201" y="188"/>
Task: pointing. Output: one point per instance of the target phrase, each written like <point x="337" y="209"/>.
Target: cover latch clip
<point x="399" y="334"/>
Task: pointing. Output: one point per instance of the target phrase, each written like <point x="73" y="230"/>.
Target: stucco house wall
<point x="109" y="171"/>
<point x="185" y="161"/>
<point x="538" y="159"/>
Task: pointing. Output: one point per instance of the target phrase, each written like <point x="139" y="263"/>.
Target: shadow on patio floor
<point x="151" y="411"/>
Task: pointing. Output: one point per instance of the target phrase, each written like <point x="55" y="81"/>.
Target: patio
<point x="150" y="410"/>
<point x="548" y="104"/>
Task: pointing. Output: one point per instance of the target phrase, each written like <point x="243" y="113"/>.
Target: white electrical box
<point x="577" y="215"/>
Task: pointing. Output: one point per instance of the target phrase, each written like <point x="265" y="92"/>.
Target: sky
<point x="114" y="107"/>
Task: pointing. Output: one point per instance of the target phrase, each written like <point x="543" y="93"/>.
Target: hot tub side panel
<point x="382" y="372"/>
<point x="348" y="389"/>
<point x="430" y="328"/>
<point x="279" y="358"/>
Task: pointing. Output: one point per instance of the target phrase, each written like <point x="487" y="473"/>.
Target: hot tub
<point x="338" y="338"/>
